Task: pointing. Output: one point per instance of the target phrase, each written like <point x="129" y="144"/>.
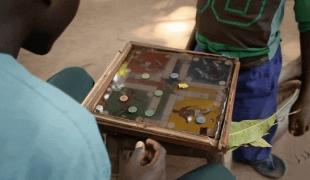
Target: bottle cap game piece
<point x="174" y="76"/>
<point x="123" y="98"/>
<point x="200" y="120"/>
<point x="99" y="109"/>
<point x="171" y="125"/>
<point x="132" y="109"/>
<point x="227" y="62"/>
<point x="116" y="87"/>
<point x="196" y="59"/>
<point x="189" y="119"/>
<point x="222" y="83"/>
<point x="158" y="93"/>
<point x="106" y="96"/>
<point x="145" y="76"/>
<point x="183" y="85"/>
<point x="149" y="113"/>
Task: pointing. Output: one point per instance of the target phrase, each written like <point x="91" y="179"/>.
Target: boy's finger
<point x="139" y="152"/>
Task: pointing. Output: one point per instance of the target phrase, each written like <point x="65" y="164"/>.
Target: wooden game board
<point x="200" y="111"/>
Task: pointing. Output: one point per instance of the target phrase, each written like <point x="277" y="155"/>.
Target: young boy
<point x="249" y="30"/>
<point x="45" y="134"/>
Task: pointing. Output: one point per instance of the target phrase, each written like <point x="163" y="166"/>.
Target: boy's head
<point x="41" y="21"/>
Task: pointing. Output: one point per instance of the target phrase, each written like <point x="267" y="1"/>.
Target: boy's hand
<point x="148" y="162"/>
<point x="299" y="120"/>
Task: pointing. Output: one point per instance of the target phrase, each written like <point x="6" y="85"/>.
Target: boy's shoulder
<point x="41" y="126"/>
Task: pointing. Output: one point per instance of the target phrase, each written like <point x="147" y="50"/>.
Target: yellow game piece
<point x="183" y="85"/>
<point x="123" y="71"/>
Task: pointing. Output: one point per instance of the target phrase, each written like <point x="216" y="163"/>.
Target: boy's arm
<point x="299" y="122"/>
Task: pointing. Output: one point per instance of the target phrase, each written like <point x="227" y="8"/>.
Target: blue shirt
<point x="44" y="134"/>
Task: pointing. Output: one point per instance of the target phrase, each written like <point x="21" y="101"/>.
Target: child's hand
<point x="299" y="120"/>
<point x="148" y="162"/>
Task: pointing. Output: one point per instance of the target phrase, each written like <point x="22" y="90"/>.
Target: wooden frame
<point x="111" y="124"/>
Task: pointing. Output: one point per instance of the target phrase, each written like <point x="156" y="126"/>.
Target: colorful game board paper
<point x="179" y="96"/>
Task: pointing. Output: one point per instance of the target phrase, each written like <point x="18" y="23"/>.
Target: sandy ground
<point x="102" y="27"/>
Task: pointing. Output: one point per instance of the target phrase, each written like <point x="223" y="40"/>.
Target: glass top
<point x="179" y="91"/>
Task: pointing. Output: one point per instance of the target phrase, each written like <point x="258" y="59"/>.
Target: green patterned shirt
<point x="245" y="28"/>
